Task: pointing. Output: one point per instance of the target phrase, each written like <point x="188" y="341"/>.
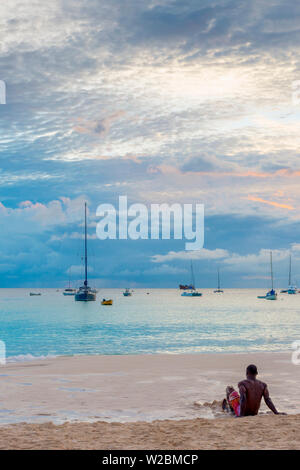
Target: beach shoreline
<point x="155" y="401"/>
<point x="129" y="388"/>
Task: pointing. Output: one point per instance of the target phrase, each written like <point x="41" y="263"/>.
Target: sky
<point x="161" y="101"/>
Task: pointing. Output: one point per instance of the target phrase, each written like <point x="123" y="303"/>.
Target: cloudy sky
<point x="163" y="101"/>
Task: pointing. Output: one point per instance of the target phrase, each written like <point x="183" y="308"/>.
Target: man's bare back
<point x="251" y="392"/>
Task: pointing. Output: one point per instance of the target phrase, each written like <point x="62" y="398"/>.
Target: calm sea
<point x="161" y="322"/>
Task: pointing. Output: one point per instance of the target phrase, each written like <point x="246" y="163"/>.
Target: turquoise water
<point x="162" y="322"/>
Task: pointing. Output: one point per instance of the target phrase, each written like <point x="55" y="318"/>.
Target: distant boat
<point x="271" y="295"/>
<point x="127" y="293"/>
<point x="289" y="290"/>
<point x="218" y="290"/>
<point x="69" y="290"/>
<point x="35" y="293"/>
<point x="191" y="292"/>
<point x="85" y="293"/>
<point x="107" y="302"/>
<point x="186" y="287"/>
<point x="292" y="289"/>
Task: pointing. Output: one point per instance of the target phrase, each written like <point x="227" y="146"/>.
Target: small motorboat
<point x="34" y="293"/>
<point x="127" y="293"/>
<point x="106" y="302"/>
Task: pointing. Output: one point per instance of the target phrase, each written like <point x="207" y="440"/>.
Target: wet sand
<point x="136" y="388"/>
<point x="152" y="401"/>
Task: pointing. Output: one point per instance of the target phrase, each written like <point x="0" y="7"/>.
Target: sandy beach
<point x="260" y="432"/>
<point x="151" y="401"/>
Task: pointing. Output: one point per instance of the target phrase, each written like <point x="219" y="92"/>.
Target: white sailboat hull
<point x="271" y="297"/>
<point x="191" y="294"/>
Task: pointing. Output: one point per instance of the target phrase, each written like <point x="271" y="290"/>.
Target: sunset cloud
<point x="271" y="203"/>
<point x="162" y="101"/>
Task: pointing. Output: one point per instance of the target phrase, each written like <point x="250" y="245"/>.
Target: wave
<point x="28" y="357"/>
<point x="210" y="409"/>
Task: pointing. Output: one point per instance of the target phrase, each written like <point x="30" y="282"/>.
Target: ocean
<point x="161" y="322"/>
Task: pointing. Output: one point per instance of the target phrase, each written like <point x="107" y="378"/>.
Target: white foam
<point x="28" y="357"/>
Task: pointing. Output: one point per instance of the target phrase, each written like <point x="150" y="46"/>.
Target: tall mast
<point x="85" y="245"/>
<point x="218" y="278"/>
<point x="290" y="271"/>
<point x="193" y="277"/>
<point x="271" y="260"/>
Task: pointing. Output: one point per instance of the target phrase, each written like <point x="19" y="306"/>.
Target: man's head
<point x="251" y="370"/>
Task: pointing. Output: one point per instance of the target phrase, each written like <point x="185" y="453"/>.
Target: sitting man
<point x="251" y="393"/>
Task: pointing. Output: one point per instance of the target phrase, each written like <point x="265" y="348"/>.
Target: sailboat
<point x="85" y="293"/>
<point x="271" y="295"/>
<point x="291" y="289"/>
<point x="218" y="290"/>
<point x="192" y="292"/>
<point x="127" y="293"/>
<point x="69" y="290"/>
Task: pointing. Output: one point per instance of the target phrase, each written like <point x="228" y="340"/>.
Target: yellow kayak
<point x="107" y="302"/>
